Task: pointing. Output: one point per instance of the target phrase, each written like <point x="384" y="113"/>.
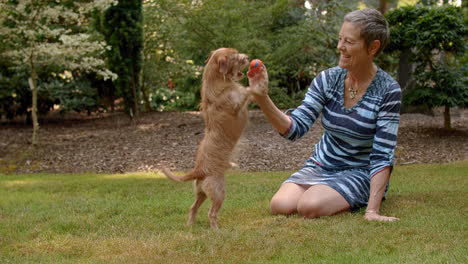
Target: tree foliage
<point x="122" y="26"/>
<point x="159" y="48"/>
<point x="436" y="37"/>
<point x="294" y="42"/>
<point x="169" y="74"/>
<point x="301" y="48"/>
<point x="41" y="35"/>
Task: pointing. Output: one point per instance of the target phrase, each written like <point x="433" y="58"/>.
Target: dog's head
<point x="226" y="64"/>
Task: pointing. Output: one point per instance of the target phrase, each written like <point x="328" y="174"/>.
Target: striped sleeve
<point x="303" y="117"/>
<point x="388" y="118"/>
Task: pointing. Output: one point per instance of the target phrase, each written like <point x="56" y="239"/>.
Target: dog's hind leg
<point x="200" y="197"/>
<point x="214" y="188"/>
<point x="213" y="213"/>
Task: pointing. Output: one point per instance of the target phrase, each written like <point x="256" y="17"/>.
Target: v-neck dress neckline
<point x="342" y="88"/>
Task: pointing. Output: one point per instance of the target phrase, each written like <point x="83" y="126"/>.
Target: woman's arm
<point x="277" y="118"/>
<point x="298" y="122"/>
<point x="259" y="90"/>
<point x="377" y="189"/>
<point x="383" y="150"/>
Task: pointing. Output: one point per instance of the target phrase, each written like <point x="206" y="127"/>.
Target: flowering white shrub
<point x="44" y="33"/>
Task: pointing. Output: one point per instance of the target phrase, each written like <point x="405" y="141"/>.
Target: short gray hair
<point x="373" y="26"/>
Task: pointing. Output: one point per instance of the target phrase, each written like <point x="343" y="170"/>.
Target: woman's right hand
<point x="374" y="216"/>
<point x="258" y="84"/>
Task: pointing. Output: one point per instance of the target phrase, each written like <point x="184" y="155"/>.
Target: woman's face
<point x="353" y="50"/>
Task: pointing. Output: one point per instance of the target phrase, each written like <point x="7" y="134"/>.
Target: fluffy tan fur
<point x="224" y="107"/>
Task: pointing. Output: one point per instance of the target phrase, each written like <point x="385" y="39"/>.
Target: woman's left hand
<point x="374" y="216"/>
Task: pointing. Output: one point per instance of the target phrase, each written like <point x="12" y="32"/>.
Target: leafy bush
<point x="436" y="40"/>
<point x="161" y="98"/>
<point x="294" y="42"/>
<point x="73" y="95"/>
<point x="15" y="95"/>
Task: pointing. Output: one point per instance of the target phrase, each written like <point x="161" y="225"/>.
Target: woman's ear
<point x="374" y="47"/>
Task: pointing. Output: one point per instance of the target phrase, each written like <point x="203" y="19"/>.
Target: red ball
<point x="254" y="67"/>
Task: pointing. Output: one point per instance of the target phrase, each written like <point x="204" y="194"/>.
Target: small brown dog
<point x="224" y="107"/>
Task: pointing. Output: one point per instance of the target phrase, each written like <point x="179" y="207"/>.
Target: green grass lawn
<point x="140" y="218"/>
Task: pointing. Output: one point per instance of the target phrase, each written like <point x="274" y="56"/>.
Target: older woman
<point x="360" y="104"/>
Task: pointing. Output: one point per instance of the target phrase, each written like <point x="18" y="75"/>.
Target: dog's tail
<point x="193" y="175"/>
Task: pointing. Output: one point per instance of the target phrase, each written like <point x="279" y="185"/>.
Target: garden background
<point x="96" y="95"/>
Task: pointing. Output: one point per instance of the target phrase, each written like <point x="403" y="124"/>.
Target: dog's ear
<point x="209" y="57"/>
<point x="223" y="64"/>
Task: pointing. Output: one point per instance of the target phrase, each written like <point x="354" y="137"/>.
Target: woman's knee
<point x="309" y="209"/>
<point x="285" y="200"/>
<point x="321" y="200"/>
<point x="283" y="206"/>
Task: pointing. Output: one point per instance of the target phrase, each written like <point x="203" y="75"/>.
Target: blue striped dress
<point x="357" y="142"/>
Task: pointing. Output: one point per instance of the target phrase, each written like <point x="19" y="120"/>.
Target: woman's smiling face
<point x="353" y="49"/>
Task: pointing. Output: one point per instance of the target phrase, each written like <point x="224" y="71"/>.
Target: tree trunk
<point x="135" y="96"/>
<point x="447" y="119"/>
<point x="405" y="69"/>
<point x="143" y="88"/>
<point x="144" y="93"/>
<point x="32" y="85"/>
<point x="383" y="6"/>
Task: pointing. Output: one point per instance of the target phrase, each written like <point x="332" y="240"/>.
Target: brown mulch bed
<point x="110" y="144"/>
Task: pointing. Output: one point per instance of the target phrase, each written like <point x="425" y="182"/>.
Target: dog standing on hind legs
<point x="224" y="107"/>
